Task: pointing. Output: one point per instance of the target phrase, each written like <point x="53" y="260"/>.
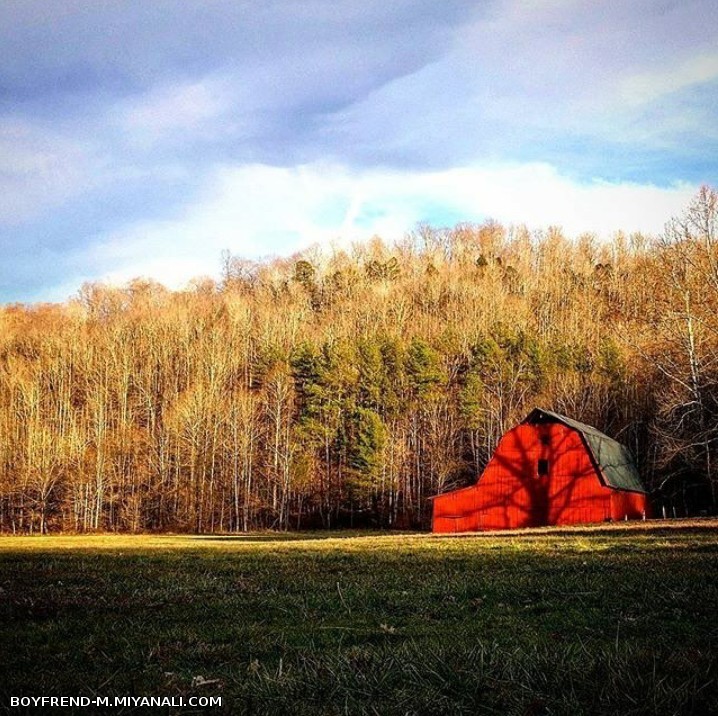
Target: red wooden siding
<point x="512" y="493"/>
<point x="628" y="505"/>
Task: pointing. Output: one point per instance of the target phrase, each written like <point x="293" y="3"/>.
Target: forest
<point x="345" y="386"/>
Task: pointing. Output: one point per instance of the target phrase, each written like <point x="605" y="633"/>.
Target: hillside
<point x="345" y="387"/>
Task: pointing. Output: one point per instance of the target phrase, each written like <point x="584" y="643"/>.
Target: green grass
<point x="588" y="621"/>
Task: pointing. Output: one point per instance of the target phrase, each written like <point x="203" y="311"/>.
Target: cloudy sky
<point x="141" y="138"/>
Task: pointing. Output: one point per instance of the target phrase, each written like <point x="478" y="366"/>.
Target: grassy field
<point x="620" y="620"/>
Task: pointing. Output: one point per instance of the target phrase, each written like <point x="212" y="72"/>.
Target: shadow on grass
<point x="448" y="626"/>
<point x="650" y="528"/>
<point x="610" y="529"/>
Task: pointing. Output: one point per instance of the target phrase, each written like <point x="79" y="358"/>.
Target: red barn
<point x="549" y="470"/>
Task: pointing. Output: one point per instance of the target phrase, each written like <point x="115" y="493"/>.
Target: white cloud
<point x="648" y="86"/>
<point x="39" y="169"/>
<point x="181" y="107"/>
<point x="528" y="76"/>
<point x="256" y="210"/>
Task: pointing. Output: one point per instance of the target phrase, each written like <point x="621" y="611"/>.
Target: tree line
<point x="346" y="386"/>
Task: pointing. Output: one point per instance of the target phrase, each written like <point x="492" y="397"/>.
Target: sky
<point x="141" y="139"/>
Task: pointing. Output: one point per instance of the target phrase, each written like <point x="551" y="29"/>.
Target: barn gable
<point x="612" y="459"/>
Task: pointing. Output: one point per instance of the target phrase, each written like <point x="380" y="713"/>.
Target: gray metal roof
<point x="613" y="460"/>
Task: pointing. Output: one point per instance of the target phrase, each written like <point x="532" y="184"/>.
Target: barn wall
<point x="512" y="493"/>
<point x="577" y="494"/>
<point x="456" y="511"/>
<point x="631" y="505"/>
<point x="508" y="492"/>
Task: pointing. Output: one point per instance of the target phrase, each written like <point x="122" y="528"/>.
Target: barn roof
<point x="613" y="459"/>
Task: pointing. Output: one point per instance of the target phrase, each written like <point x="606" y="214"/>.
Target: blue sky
<point x="142" y="138"/>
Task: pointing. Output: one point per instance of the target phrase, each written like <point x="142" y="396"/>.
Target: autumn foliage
<point x="346" y="386"/>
